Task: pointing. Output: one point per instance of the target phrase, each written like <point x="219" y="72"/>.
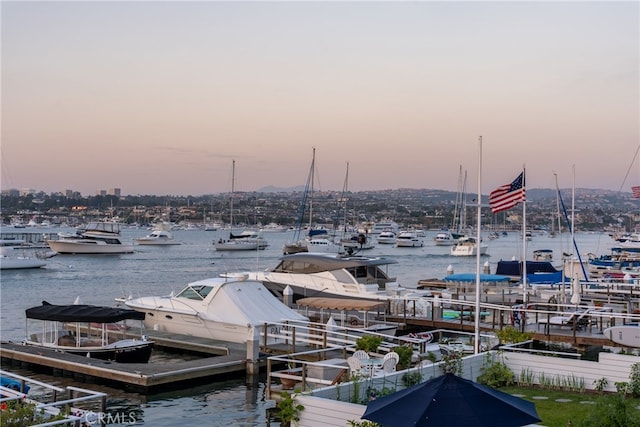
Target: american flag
<point x="635" y="192"/>
<point x="508" y="195"/>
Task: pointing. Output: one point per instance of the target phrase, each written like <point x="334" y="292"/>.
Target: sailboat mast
<point x="233" y="183"/>
<point x="345" y="188"/>
<point x="478" y="243"/>
<point x="456" y="218"/>
<point x="312" y="173"/>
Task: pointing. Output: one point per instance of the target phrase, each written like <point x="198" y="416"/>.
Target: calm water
<point x="99" y="279"/>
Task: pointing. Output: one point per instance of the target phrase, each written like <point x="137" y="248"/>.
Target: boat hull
<point x="8" y="263"/>
<point x="192" y="325"/>
<point x="78" y="247"/>
<point x="627" y="335"/>
<point x="467" y="251"/>
<point x="130" y="354"/>
<point x="156" y="242"/>
<point x="140" y="352"/>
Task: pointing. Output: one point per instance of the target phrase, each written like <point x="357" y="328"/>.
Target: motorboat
<point x="295" y="247"/>
<point x="272" y="227"/>
<point x="444" y="238"/>
<point x="468" y="246"/>
<point x="95" y="238"/>
<point x="538" y="272"/>
<point x="324" y="245"/>
<point x="229" y="308"/>
<point x="245" y="241"/>
<point x="409" y="239"/>
<point x="157" y="237"/>
<point x="617" y="264"/>
<point x="93" y="331"/>
<point x="381" y="226"/>
<point x="387" y="237"/>
<point x="357" y="242"/>
<point x="543" y="255"/>
<point x="331" y="275"/>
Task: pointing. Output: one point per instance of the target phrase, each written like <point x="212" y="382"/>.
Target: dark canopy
<point x="449" y="400"/>
<point x="514" y="268"/>
<point x="81" y="313"/>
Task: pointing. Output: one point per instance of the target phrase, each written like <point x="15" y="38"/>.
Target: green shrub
<point x="288" y="410"/>
<point x="405" y="352"/>
<point x="368" y="343"/>
<point x="411" y="378"/>
<point x="496" y="373"/>
<point x="509" y="334"/>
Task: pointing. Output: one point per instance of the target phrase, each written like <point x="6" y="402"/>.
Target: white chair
<point x="392" y="355"/>
<point x="361" y="355"/>
<point x="354" y="365"/>
<point x="388" y="366"/>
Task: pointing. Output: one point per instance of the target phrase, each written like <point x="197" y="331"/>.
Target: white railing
<point x="67" y="410"/>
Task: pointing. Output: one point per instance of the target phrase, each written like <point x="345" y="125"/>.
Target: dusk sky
<point x="160" y="97"/>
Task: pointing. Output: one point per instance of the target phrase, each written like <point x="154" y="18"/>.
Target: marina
<point x="149" y="270"/>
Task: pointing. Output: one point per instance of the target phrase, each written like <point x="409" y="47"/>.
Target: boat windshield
<point x="198" y="292"/>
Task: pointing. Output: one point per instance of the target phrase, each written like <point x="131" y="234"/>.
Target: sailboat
<point x="447" y="237"/>
<point x="356" y="241"/>
<point x="298" y="244"/>
<point x="245" y="241"/>
<point x="317" y="240"/>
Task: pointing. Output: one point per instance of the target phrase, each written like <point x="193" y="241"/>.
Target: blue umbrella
<point x="451" y="401"/>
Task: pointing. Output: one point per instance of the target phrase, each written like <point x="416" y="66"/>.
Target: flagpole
<point x="478" y="244"/>
<point x="525" y="297"/>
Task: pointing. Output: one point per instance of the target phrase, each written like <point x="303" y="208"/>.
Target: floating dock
<point x="219" y="359"/>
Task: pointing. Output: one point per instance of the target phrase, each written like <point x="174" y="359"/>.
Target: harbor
<point x="196" y="364"/>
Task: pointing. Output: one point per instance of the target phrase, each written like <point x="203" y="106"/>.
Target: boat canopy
<point x="341" y="304"/>
<point x="540" y="272"/>
<point x="81" y="313"/>
<point x="314" y="262"/>
<point x="514" y="268"/>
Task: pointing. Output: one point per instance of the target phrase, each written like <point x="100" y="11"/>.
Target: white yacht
<point x="467" y="246"/>
<point x="95" y="238"/>
<point x="157" y="237"/>
<point x="387" y="237"/>
<point x="379" y="227"/>
<point x="246" y="241"/>
<point x="444" y="238"/>
<point x="357" y="242"/>
<point x="314" y="274"/>
<point x="229" y="308"/>
<point x="161" y="235"/>
<point x="409" y="239"/>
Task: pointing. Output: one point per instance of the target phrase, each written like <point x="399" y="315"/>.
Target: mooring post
<point x="253" y="351"/>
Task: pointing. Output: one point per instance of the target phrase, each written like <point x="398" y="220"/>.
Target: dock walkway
<point x="219" y="360"/>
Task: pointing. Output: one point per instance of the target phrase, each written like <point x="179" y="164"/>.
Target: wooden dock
<point x="589" y="336"/>
<point x="218" y="360"/>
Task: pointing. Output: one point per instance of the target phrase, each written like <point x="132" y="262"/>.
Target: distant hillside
<point x="272" y="189"/>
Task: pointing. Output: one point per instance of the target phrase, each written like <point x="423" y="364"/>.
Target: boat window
<point x="195" y="292"/>
<point x="190" y="293"/>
